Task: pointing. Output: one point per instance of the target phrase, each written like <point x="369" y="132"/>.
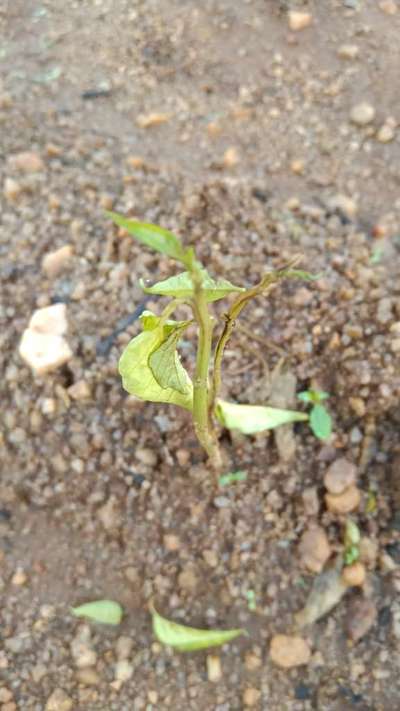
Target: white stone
<point x="44" y="352"/>
<point x="299" y="20"/>
<point x="362" y="114"/>
<point x="51" y="319"/>
<point x="53" y="263"/>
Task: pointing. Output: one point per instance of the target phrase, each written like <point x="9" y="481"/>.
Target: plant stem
<point x="201" y="414"/>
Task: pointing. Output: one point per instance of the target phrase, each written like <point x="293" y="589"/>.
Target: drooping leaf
<point x="250" y="419"/>
<point x="321" y="422"/>
<point x="152" y="374"/>
<point x="188" y="639"/>
<point x="107" y="612"/>
<point x="181" y="287"/>
<point x="232" y="478"/>
<point x="152" y="236"/>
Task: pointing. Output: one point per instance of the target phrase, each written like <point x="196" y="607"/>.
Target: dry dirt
<point x="252" y="157"/>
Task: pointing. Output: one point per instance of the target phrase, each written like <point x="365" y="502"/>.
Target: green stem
<point x="201" y="414"/>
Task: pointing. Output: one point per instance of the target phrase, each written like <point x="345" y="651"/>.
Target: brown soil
<point x="251" y="166"/>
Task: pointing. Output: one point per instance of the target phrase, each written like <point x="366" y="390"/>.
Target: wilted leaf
<point x="152" y="236"/>
<point x="232" y="478"/>
<point x="107" y="612"/>
<point x="181" y="287"/>
<point x="320" y="422"/>
<point x="150" y="366"/>
<point x="327" y="590"/>
<point x="188" y="639"/>
<point x="254" y="418"/>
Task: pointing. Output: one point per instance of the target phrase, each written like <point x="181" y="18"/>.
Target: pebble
<point x="389" y="7"/>
<point x="354" y="575"/>
<point x="343" y="503"/>
<point x="79" y="390"/>
<point x="123" y="647"/>
<point x="252" y="661"/>
<point x="348" y="51"/>
<point x="368" y="550"/>
<point x="385" y="134"/>
<point x="187" y="580"/>
<point x="299" y="20"/>
<point x="221" y="502"/>
<point x="88" y="676"/>
<point x="358" y="406"/>
<point x="340" y="475"/>
<point x="344" y="204"/>
<point x="55" y="262"/>
<point x="153" y="119"/>
<point x="109" y="514"/>
<point x="123" y="670"/>
<point x="210" y="558"/>
<point x="171" y="542"/>
<point x="362" y="114"/>
<point x="5" y="695"/>
<point x="314" y="549"/>
<point x="12" y="190"/>
<point x="19" y="578"/>
<point x="83" y="655"/>
<point x="361" y="617"/>
<point x="44" y="352"/>
<point x="214" y="669"/>
<point x="27" y="162"/>
<point x="50" y="319"/>
<point x="310" y="501"/>
<point x="231" y="157"/>
<point x="59" y="701"/>
<point x="287" y="652"/>
<point x="251" y="696"/>
<point x="146" y="456"/>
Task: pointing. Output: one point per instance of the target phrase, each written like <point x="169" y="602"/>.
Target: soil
<point x="251" y="155"/>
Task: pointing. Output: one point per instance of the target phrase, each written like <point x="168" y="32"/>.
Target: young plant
<point x="320" y="419"/>
<point x="150" y="365"/>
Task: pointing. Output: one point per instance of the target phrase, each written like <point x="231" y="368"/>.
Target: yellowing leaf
<point x="181" y="287"/>
<point x="150" y="365"/>
<point x="152" y="236"/>
<point x="107" y="612"/>
<point x="188" y="639"/>
<point x="254" y="418"/>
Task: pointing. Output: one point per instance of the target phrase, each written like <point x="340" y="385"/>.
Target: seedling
<point x="352" y="539"/>
<point x="320" y="419"/>
<point x="232" y="478"/>
<point x="150" y="365"/>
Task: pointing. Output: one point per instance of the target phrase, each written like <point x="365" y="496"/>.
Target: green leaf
<point x="299" y="274"/>
<point x="152" y="236"/>
<point x="232" y="478"/>
<point x="181" y="287"/>
<point x="321" y="422"/>
<point x="254" y="418"/>
<point x="150" y="366"/>
<point x="352" y="535"/>
<point x="188" y="639"/>
<point x="107" y="612"/>
<point x="305" y="396"/>
<point x="314" y="396"/>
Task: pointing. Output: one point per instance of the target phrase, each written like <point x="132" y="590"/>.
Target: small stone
<point x="251" y="696"/>
<point x="55" y="262"/>
<point x="12" y="190"/>
<point x="297" y="167"/>
<point x="83" y="655"/>
<point x="361" y="617"/>
<point x="88" y="677"/>
<point x="299" y="20"/>
<point x="136" y="162"/>
<point x="44" y="352"/>
<point x="340" y="475"/>
<point x="5" y="695"/>
<point x="252" y="661"/>
<point x="146" y="456"/>
<point x="50" y="319"/>
<point x="314" y="549"/>
<point x="289" y="652"/>
<point x="389" y="7"/>
<point x="354" y="575"/>
<point x="214" y="669"/>
<point x="210" y="558"/>
<point x="79" y="390"/>
<point x="231" y="157"/>
<point x="358" y="406"/>
<point x="27" y="162"/>
<point x="385" y="134"/>
<point x="187" y="580"/>
<point x="310" y="501"/>
<point x="344" y="204"/>
<point x="123" y="670"/>
<point x="348" y="51"/>
<point x="59" y="701"/>
<point x="109" y="514"/>
<point x="19" y="578"/>
<point x="343" y="503"/>
<point x="368" y="550"/>
<point x="153" y="119"/>
<point x="221" y="502"/>
<point x="183" y="457"/>
<point x="152" y="697"/>
<point x="362" y="114"/>
<point x="171" y="542"/>
<point x="124" y="647"/>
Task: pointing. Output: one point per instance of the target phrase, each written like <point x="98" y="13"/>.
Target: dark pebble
<point x="384" y="616"/>
<point x="302" y="692"/>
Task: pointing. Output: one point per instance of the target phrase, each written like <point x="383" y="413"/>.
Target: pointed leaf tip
<point x="250" y="419"/>
<point x="152" y="236"/>
<point x="188" y="639"/>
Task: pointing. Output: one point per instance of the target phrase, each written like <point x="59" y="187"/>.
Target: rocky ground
<point x="256" y="133"/>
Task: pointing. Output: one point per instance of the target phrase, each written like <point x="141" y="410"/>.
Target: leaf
<point x="300" y="274"/>
<point x="107" y="612"/>
<point x="152" y="372"/>
<point x="321" y="422"/>
<point x="152" y="236"/>
<point x="188" y="639"/>
<point x="305" y="396"/>
<point x="314" y="396"/>
<point x="254" y="418"/>
<point x="327" y="590"/>
<point x="232" y="478"/>
<point x="181" y="287"/>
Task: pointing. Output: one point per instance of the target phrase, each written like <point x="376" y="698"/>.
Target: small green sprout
<point x="150" y="365"/>
<point x="251" y="600"/>
<point x="320" y="419"/>
<point x="351" y="541"/>
<point x="232" y="478"/>
<point x="189" y="639"/>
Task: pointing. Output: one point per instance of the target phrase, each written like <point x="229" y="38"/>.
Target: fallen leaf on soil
<point x="107" y="612"/>
<point x="327" y="591"/>
<point x="187" y="639"/>
<point x="361" y="617"/>
<point x="289" y="652"/>
<point x="254" y="418"/>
